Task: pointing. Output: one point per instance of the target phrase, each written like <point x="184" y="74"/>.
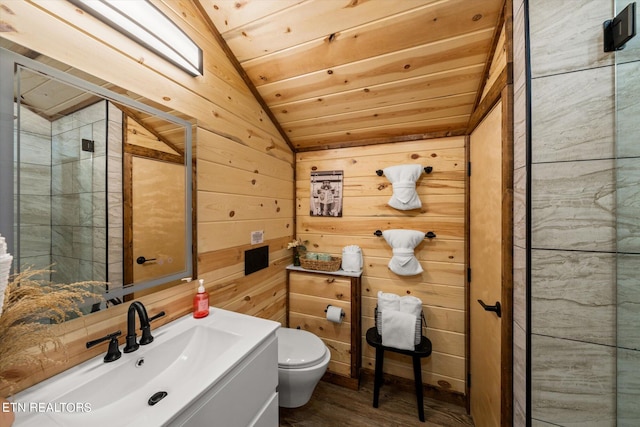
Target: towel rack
<point x="428" y="234"/>
<point x="427" y="169"/>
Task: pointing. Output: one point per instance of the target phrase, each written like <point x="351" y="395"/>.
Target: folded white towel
<point x="413" y="305"/>
<point x="398" y="329"/>
<point x="403" y="242"/>
<point x="403" y="180"/>
<point x="386" y="301"/>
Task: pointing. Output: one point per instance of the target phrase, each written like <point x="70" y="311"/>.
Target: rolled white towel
<point x="403" y="180"/>
<point x="398" y="329"/>
<point x="387" y="300"/>
<point x="410" y="304"/>
<point x="403" y="262"/>
<point x="405" y="304"/>
<point x="352" y="258"/>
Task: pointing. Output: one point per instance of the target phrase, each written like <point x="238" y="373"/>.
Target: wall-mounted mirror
<point x="101" y="181"/>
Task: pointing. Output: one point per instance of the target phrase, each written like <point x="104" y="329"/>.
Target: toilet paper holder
<point x="326" y="309"/>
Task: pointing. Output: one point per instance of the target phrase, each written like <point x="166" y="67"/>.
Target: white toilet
<point x="302" y="361"/>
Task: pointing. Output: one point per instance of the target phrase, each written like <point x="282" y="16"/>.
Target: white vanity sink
<point x="191" y="360"/>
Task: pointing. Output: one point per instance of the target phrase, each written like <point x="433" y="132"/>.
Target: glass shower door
<point x="628" y="228"/>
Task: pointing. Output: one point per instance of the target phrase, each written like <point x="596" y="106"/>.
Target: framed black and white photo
<point x="326" y="193"/>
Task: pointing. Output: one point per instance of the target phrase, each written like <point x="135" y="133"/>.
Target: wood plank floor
<point x="333" y="405"/>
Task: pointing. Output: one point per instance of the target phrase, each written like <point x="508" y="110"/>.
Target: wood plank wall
<point x="442" y="284"/>
<point x="240" y="192"/>
<point x="244" y="167"/>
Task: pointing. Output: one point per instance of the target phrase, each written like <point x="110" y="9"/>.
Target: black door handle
<point x="142" y="260"/>
<point x="495" y="308"/>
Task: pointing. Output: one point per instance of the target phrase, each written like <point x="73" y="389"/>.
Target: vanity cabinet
<point x="310" y="292"/>
<point x="246" y="396"/>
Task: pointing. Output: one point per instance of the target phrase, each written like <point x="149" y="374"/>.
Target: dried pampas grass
<point x="31" y="307"/>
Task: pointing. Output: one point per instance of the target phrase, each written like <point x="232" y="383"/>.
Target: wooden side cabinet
<point x="310" y="292"/>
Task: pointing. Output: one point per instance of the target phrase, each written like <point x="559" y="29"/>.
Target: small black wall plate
<point x="256" y="259"/>
<point x="87" y="145"/>
<point x="619" y="30"/>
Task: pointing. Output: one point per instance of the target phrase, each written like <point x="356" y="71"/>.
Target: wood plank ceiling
<point x="338" y="73"/>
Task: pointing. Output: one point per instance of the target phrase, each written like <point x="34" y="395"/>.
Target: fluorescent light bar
<point x="144" y="23"/>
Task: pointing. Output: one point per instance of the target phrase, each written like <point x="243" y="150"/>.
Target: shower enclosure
<point x="627" y="98"/>
<point x="63" y="146"/>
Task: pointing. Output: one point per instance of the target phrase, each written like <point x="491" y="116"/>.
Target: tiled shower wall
<point x="63" y="204"/>
<point x="573" y="216"/>
<point x="86" y="191"/>
<point x="35" y="200"/>
<point x="78" y="202"/>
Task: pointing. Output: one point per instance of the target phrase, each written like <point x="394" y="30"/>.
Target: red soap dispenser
<point x="201" y="302"/>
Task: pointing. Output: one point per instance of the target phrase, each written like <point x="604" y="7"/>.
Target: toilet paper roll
<point x="334" y="314"/>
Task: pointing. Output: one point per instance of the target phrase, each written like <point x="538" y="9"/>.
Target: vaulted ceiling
<point x="345" y="72"/>
<point x="336" y="73"/>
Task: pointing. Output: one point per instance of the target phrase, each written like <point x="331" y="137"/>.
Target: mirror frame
<point x="9" y="63"/>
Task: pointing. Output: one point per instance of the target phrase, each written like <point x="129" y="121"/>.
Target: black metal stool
<point x="422" y="350"/>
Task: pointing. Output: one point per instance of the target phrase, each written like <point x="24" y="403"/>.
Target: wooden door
<point x="486" y="253"/>
<point x="158" y="217"/>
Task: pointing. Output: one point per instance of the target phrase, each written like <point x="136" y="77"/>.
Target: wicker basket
<point x="314" y="264"/>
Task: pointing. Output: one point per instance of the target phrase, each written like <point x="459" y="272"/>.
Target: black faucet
<point x="145" y="326"/>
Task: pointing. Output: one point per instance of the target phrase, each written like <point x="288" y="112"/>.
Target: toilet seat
<point x="299" y="349"/>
